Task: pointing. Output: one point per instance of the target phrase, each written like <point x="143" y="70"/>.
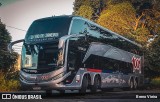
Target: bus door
<point x="73" y="57"/>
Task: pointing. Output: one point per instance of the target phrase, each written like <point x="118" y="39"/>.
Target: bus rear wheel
<point x="84" y="85"/>
<point x="96" y="85"/>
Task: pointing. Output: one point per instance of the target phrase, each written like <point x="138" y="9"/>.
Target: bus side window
<point x="116" y="67"/>
<point x="78" y="27"/>
<point x="125" y="67"/>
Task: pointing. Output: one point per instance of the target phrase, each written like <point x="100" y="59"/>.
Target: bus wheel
<point x="131" y="86"/>
<point x="96" y="85"/>
<point x="84" y="85"/>
<point x="48" y="92"/>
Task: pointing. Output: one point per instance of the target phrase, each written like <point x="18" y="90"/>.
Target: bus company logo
<point x="45" y="77"/>
<point x="136" y="62"/>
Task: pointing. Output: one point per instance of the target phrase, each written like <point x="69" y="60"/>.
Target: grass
<point x="9" y="82"/>
<point x="156" y="82"/>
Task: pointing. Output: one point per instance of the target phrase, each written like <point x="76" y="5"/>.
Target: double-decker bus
<point x="72" y="53"/>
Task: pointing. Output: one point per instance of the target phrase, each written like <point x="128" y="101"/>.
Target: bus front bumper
<point x="48" y="85"/>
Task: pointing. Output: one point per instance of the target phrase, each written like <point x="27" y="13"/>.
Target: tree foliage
<point x="85" y="11"/>
<point x="151" y="20"/>
<point x="7" y="60"/>
<point x="121" y="18"/>
<point x="153" y="55"/>
<point x="118" y="18"/>
<point x="96" y="6"/>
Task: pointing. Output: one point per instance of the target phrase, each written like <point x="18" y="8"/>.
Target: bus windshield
<point x="48" y="29"/>
<point x="41" y="56"/>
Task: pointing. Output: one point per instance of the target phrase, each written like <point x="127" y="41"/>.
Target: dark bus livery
<point x="72" y="53"/>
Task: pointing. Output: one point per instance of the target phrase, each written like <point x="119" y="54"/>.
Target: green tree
<point x="148" y="16"/>
<point x="153" y="55"/>
<point x="152" y="21"/>
<point x="85" y="11"/>
<point x="156" y="4"/>
<point x="121" y="18"/>
<point x="96" y="6"/>
<point x="118" y="18"/>
<point x="77" y="4"/>
<point x="7" y="60"/>
<point x="113" y="2"/>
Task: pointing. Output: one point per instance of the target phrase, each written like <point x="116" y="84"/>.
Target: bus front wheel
<point x="84" y="85"/>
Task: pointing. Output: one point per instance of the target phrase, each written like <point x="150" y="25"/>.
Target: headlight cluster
<point x="41" y="77"/>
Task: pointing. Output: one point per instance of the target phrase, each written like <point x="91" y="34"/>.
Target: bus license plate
<point x="36" y="88"/>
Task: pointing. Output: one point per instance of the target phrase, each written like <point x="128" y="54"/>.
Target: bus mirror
<point x="86" y="37"/>
<point x="63" y="39"/>
<point x="12" y="43"/>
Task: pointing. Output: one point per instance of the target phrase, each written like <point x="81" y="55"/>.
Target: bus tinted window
<point x="97" y="34"/>
<point x="78" y="27"/>
<point x="47" y="28"/>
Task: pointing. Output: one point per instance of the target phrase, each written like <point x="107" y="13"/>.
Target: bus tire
<point x="84" y="85"/>
<point x="131" y="86"/>
<point x="96" y="85"/>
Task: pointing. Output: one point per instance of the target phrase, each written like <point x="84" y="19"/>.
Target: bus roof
<point x="52" y="17"/>
<point x="79" y="17"/>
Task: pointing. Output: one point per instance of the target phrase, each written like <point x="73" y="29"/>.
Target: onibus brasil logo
<point x="18" y="96"/>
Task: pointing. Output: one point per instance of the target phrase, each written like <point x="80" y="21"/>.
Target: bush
<point x="155" y="82"/>
<point x="11" y="84"/>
